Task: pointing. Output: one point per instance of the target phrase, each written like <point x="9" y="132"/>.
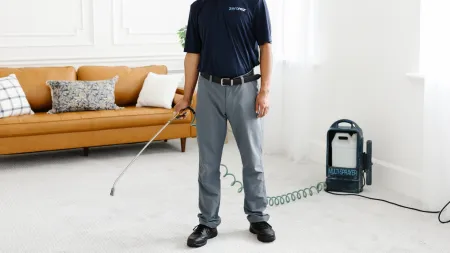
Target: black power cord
<point x="395" y="204"/>
<point x="293" y="196"/>
<point x="392" y="203"/>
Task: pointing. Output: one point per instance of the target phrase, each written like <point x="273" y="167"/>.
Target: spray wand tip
<point x="112" y="192"/>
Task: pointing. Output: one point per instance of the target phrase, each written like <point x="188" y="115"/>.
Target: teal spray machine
<point x="348" y="167"/>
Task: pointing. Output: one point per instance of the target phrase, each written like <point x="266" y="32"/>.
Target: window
<point x="434" y="36"/>
<point x="293" y="28"/>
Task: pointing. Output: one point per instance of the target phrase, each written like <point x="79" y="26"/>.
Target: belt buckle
<point x="221" y="81"/>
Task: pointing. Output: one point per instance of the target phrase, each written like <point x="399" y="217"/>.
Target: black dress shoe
<point x="263" y="231"/>
<point x="201" y="235"/>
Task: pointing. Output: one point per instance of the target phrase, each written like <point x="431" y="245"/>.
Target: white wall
<point x="364" y="49"/>
<point x="78" y="32"/>
<point x="435" y="53"/>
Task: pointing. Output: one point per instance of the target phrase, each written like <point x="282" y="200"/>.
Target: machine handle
<point x="336" y="124"/>
<point x="369" y="163"/>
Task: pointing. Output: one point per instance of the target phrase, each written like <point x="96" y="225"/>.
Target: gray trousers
<point x="215" y="105"/>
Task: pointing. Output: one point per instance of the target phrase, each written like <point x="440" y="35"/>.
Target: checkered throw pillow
<point x="13" y="101"/>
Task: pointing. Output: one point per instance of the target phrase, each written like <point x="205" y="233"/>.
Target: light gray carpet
<point x="59" y="202"/>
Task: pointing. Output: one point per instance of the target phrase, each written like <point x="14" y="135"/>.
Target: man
<point x="223" y="41"/>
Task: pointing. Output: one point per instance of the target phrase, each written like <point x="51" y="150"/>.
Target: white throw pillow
<point x="158" y="91"/>
<point x="13" y="101"/>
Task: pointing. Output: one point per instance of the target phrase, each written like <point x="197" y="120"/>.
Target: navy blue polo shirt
<point x="227" y="35"/>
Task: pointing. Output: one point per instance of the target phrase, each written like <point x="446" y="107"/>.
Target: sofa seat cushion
<point x="44" y="123"/>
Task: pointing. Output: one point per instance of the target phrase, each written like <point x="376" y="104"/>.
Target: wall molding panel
<point x="92" y="32"/>
<point x="80" y="34"/>
<point x="152" y="26"/>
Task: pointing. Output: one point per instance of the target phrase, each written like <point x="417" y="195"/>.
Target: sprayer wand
<point x="177" y="116"/>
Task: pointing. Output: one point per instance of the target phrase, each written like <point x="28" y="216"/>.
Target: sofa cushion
<point x="13" y="101"/>
<point x="75" y="96"/>
<point x="130" y="81"/>
<point x="33" y="81"/>
<point x="43" y="123"/>
<point x="158" y="91"/>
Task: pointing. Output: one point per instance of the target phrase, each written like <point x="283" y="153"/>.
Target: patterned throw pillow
<point x="13" y="101"/>
<point x="73" y="96"/>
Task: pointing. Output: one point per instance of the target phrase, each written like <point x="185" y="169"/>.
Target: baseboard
<point x="384" y="174"/>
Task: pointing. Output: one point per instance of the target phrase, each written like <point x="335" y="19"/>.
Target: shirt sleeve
<point x="261" y="23"/>
<point x="193" y="42"/>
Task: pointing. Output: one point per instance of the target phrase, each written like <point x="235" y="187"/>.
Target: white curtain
<point x="272" y="122"/>
<point x="435" y="65"/>
<point x="287" y="126"/>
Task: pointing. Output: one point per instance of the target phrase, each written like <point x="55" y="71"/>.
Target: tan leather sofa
<point x="45" y="132"/>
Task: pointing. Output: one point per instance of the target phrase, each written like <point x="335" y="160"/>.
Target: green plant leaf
<point x="182" y="35"/>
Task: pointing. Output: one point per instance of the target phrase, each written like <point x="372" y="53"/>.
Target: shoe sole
<point x="198" y="245"/>
<point x="262" y="238"/>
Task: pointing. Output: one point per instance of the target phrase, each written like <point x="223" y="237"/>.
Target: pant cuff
<point x="210" y="224"/>
<point x="258" y="218"/>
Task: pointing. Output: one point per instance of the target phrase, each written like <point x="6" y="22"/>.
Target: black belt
<point x="250" y="77"/>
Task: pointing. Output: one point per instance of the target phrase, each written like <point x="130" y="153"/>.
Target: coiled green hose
<point x="284" y="198"/>
<point x="234" y="178"/>
<point x="275" y="200"/>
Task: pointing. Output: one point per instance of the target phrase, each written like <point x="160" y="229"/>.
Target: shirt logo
<point x="236" y="9"/>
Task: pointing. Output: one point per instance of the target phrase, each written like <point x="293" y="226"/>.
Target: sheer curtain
<point x="435" y="65"/>
<point x="293" y="23"/>
<point x="272" y="122"/>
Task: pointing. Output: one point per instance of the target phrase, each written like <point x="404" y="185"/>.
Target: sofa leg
<point x="183" y="144"/>
<point x="165" y="140"/>
<point x="85" y="151"/>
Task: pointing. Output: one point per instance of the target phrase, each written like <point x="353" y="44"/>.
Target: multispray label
<point x="343" y="172"/>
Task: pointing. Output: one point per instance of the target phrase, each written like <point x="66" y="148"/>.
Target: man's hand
<point x="180" y="106"/>
<point x="262" y="103"/>
<point x="191" y="62"/>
